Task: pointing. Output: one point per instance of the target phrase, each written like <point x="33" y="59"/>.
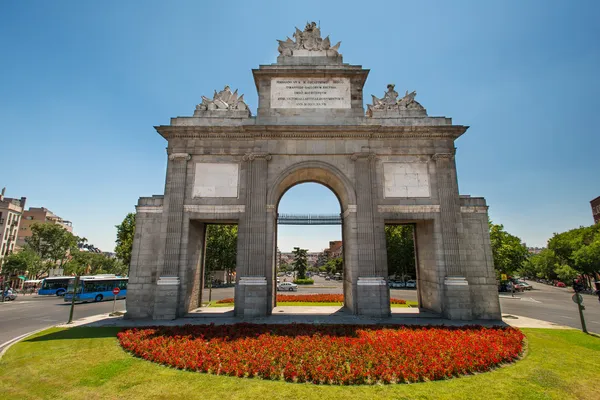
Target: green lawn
<point x="88" y="363"/>
<point x="316" y="304"/>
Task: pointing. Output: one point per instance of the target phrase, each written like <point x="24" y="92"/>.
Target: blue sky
<point x="83" y="83"/>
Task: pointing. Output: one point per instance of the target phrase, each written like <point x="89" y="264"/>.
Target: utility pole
<point x="73" y="300"/>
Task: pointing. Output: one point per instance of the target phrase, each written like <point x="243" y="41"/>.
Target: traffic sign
<point x="116" y="291"/>
<point x="503" y="277"/>
<point x="577" y="298"/>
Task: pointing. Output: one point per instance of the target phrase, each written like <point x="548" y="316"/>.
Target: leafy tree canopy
<point x="221" y="249"/>
<point x="125" y="232"/>
<point x="400" y="250"/>
<point x="24" y="262"/>
<point x="508" y="251"/>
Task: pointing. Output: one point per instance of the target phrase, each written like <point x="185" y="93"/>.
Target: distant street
<point x="29" y="313"/>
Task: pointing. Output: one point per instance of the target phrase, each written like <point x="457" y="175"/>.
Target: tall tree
<point x="221" y="249"/>
<point x="508" y="251"/>
<point x="125" y="232"/>
<point x="300" y="261"/>
<point x="400" y="250"/>
<point x="52" y="244"/>
<point x="24" y="262"/>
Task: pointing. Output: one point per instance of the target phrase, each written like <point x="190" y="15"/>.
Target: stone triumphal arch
<point x="390" y="164"/>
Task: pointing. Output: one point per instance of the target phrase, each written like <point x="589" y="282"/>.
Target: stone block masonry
<point x="391" y="164"/>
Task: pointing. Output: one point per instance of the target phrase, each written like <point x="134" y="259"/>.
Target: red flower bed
<point x="327" y="354"/>
<point x="312" y="298"/>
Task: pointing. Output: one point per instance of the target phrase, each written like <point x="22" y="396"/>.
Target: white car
<point x="396" y="284"/>
<point x="287" y="286"/>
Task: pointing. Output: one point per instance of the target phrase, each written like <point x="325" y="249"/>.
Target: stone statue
<point x="309" y="39"/>
<point x="224" y="100"/>
<point x="389" y="105"/>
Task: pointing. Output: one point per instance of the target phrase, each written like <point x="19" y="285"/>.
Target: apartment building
<point x="11" y="211"/>
<point x="39" y="215"/>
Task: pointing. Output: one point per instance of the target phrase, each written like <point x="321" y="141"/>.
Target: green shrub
<point x="304" y="281"/>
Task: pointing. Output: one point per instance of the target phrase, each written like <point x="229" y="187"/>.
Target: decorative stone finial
<point x="308" y="40"/>
<point x="223" y="102"/>
<point x="390" y="107"/>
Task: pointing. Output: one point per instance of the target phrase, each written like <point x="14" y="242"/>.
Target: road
<point x="29" y="313"/>
<point x="553" y="304"/>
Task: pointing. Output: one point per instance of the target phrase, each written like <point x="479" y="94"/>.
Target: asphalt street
<point x="29" y="313"/>
<point x="32" y="312"/>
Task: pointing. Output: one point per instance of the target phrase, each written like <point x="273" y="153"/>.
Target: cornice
<point x="312" y="132"/>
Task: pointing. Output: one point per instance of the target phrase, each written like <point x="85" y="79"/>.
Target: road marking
<point x="564" y="316"/>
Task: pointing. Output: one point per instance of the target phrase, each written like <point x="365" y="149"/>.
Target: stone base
<point x="373" y="297"/>
<point x="457" y="299"/>
<point x="251" y="297"/>
<point x="165" y="298"/>
<point x="223" y="113"/>
<point x="395" y="113"/>
<point x="309" y="57"/>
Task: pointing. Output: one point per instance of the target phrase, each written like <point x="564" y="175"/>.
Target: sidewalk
<point x="308" y="315"/>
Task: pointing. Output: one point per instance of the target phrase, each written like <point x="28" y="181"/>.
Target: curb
<point x="7" y="345"/>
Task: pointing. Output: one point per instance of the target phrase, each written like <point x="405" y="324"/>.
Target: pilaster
<point x="457" y="295"/>
<point x="253" y="269"/>
<point x="168" y="283"/>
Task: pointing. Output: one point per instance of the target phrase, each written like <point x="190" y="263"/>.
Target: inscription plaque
<point x="310" y="93"/>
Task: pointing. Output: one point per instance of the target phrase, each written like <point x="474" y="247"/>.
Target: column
<point x="449" y="211"/>
<point x="252" y="289"/>
<point x="167" y="286"/>
<point x="457" y="295"/>
<point x="372" y="293"/>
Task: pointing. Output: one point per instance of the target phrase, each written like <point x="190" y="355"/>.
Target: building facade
<point x="390" y="164"/>
<point x="40" y="215"/>
<point x="596" y="209"/>
<point x="11" y="211"/>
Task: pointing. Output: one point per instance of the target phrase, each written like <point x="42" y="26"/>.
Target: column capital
<point x="254" y="156"/>
<point x="179" y="157"/>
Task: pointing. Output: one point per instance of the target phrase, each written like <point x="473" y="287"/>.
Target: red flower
<point x="327" y="354"/>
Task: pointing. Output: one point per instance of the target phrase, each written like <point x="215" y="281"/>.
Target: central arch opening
<point x="309" y="252"/>
<point x="339" y="195"/>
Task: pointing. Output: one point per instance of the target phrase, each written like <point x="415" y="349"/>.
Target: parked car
<point x="396" y="284"/>
<point x="411" y="284"/>
<point x="560" y="284"/>
<point x="524" y="285"/>
<point x="287" y="286"/>
<point x="327" y="278"/>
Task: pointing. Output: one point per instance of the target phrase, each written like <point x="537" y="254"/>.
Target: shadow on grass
<point x="77" y="333"/>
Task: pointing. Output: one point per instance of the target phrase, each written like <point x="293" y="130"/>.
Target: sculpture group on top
<point x="309" y="39"/>
<point x="389" y="104"/>
<point x="223" y="101"/>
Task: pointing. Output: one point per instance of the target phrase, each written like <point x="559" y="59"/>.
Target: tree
<point x="541" y="265"/>
<point x="84" y="262"/>
<point x="508" y="251"/>
<point x="578" y="249"/>
<point x="125" y="232"/>
<point x="23" y="262"/>
<point x="300" y="261"/>
<point x="565" y="273"/>
<point x="221" y="249"/>
<point x="52" y="244"/>
<point x="400" y="250"/>
<point x="335" y="265"/>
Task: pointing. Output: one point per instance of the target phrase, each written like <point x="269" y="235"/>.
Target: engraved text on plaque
<point x="310" y="93"/>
